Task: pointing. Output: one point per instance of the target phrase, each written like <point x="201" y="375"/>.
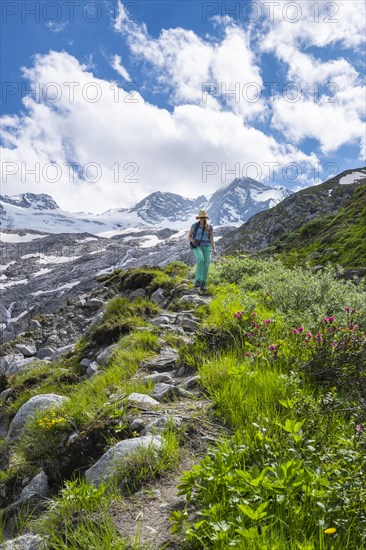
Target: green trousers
<point x="203" y="257"/>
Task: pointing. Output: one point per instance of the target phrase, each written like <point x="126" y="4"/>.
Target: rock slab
<point x="108" y="464"/>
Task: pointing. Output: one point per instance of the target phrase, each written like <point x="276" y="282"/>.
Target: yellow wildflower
<point x="330" y="531"/>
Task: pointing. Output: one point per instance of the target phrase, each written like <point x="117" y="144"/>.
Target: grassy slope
<point x="337" y="238"/>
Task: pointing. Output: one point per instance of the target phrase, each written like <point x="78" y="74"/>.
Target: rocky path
<point x="176" y="399"/>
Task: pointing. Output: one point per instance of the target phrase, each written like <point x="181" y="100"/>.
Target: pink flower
<point x="348" y="309"/>
<point x="249" y="334"/>
<point x="254" y="314"/>
<point x="351" y="326"/>
<point x="294" y="330"/>
<point x="267" y="321"/>
<point x="247" y="354"/>
<point x="309" y="335"/>
<point x="273" y="347"/>
<point x="359" y="428"/>
<point x="300" y="329"/>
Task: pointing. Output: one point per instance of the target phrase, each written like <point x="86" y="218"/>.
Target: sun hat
<point x="202" y="214"/>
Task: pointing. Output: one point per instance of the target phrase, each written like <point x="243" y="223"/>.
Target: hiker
<point x="201" y="241"/>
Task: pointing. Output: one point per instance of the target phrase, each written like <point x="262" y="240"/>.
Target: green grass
<point x="295" y="466"/>
<point x="338" y="238"/>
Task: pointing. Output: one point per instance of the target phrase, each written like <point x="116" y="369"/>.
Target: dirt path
<point x="144" y="516"/>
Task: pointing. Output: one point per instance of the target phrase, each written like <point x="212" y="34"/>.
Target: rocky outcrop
<point x="264" y="229"/>
<point x="29" y="410"/>
<point x="107" y="466"/>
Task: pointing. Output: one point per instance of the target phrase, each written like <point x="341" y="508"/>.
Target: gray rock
<point x="94" y="303"/>
<point x="108" y="464"/>
<point x="104" y="357"/>
<point x="92" y="369"/>
<point x="37" y="487"/>
<point x="167" y="358"/>
<point x="62" y="351"/>
<point x="4" y="394"/>
<point x="192" y="299"/>
<point x="158" y="297"/>
<point x="26" y="349"/>
<point x="180" y="372"/>
<point x="158" y="377"/>
<point x="7" y="360"/>
<point x="25" y="542"/>
<point x="35" y="325"/>
<point x="141" y="399"/>
<point x="191" y="383"/>
<point x="164" y="392"/>
<point x="138" y="293"/>
<point x="190" y="324"/>
<point x="45" y="352"/>
<point x="137" y="425"/>
<point x="95" y="321"/>
<point x="85" y="362"/>
<point x="162" y="320"/>
<point x="29" y="410"/>
<point x="18" y="366"/>
<point x="161" y="424"/>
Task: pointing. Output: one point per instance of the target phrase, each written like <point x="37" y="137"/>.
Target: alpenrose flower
<point x="359" y="428"/>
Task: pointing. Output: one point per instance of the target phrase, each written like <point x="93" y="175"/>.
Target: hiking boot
<point x="197" y="284"/>
<point x="203" y="287"/>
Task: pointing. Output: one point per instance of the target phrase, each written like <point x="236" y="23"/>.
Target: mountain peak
<point x="36" y="201"/>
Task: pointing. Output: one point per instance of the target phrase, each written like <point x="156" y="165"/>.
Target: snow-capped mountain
<point x="31" y="201"/>
<point x="160" y="207"/>
<point x="241" y="199"/>
<point x="231" y="205"/>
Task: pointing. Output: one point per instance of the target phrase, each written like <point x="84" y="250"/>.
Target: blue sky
<point x="179" y="96"/>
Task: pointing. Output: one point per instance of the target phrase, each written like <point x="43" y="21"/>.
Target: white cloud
<point x="116" y="64"/>
<point x="167" y="148"/>
<point x="331" y="101"/>
<point x="185" y="65"/>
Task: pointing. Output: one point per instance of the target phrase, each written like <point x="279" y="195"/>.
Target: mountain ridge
<point x="231" y="205"/>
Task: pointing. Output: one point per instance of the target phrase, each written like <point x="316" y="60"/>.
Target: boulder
<point x="85" y="362"/>
<point x="92" y="369"/>
<point x="29" y="410"/>
<point x="57" y="355"/>
<point x="7" y="360"/>
<point x="138" y="293"/>
<point x="164" y="392"/>
<point x="18" y="366"/>
<point x="191" y="383"/>
<point x="94" y="303"/>
<point x="25" y="542"/>
<point x="158" y="377"/>
<point x="107" y="466"/>
<point x="104" y="356"/>
<point x="141" y="399"/>
<point x="192" y="299"/>
<point x="167" y="358"/>
<point x="137" y="424"/>
<point x="161" y="424"/>
<point x="47" y="351"/>
<point x="38" y="487"/>
<point x="158" y="297"/>
<point x="98" y="318"/>
<point x="26" y="349"/>
<point x="162" y="320"/>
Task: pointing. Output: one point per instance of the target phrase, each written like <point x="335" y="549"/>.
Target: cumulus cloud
<point x="330" y="103"/>
<point x="212" y="73"/>
<point x="102" y="128"/>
